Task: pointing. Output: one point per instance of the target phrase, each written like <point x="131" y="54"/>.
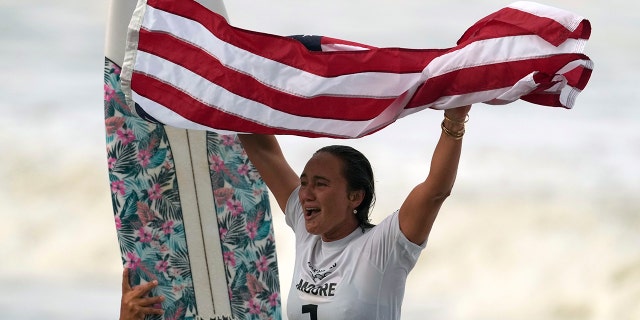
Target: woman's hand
<point x="135" y="304"/>
<point x="454" y="120"/>
<point x="458" y="114"/>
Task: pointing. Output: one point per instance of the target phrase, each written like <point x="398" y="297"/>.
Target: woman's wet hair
<point x="359" y="175"/>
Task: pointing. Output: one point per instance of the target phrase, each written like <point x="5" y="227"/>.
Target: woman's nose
<point x="306" y="193"/>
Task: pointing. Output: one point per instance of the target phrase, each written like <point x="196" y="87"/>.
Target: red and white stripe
<point x="187" y="67"/>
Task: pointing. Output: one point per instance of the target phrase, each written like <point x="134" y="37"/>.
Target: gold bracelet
<point x="466" y="119"/>
<point x="455" y="135"/>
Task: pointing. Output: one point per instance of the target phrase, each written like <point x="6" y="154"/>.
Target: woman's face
<point x="327" y="205"/>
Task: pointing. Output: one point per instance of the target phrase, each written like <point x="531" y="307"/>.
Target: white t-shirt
<point x="361" y="276"/>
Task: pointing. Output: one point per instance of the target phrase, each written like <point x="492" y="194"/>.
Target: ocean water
<point x="543" y="223"/>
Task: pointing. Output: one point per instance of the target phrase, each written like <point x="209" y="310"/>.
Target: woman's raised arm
<point x="266" y="155"/>
<point x="419" y="210"/>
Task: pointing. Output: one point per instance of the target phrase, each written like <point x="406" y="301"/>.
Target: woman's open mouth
<point x="310" y="212"/>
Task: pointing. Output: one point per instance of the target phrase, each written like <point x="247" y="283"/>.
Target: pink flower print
<point x="273" y="299"/>
<point x="118" y="223"/>
<point x="217" y="164"/>
<point x="243" y="169"/>
<point x="144" y="157"/>
<point x="167" y="227"/>
<point x="109" y="93"/>
<point x="154" y="192"/>
<point x="132" y="261"/>
<point x="229" y="258"/>
<point x="262" y="264"/>
<point x="254" y="307"/>
<point x="228" y="140"/>
<point x="112" y="162"/>
<point x="125" y="135"/>
<point x="235" y="207"/>
<point x="223" y="233"/>
<point x="144" y="234"/>
<point x="252" y="229"/>
<point x="177" y="288"/>
<point x="162" y="266"/>
<point x="118" y="187"/>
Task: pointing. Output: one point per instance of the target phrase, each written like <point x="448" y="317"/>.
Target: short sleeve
<point x="411" y="249"/>
<point x="293" y="209"/>
<point x="387" y="244"/>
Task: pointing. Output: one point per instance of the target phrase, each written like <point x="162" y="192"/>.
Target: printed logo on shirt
<point x="325" y="290"/>
<point x="317" y="275"/>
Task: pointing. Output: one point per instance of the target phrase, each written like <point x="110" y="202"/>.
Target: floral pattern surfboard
<point x="148" y="215"/>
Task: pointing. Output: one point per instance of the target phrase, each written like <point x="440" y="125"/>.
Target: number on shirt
<point x="312" y="309"/>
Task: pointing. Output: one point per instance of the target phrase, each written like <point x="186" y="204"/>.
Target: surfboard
<point x="190" y="210"/>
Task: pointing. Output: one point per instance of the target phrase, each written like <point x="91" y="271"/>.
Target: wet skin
<point x="327" y="204"/>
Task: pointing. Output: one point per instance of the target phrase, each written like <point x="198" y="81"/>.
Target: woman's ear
<point x="356" y="197"/>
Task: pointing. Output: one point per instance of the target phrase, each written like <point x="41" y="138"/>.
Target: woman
<point x="346" y="268"/>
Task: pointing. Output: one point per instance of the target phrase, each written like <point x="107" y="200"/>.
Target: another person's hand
<point x="135" y="304"/>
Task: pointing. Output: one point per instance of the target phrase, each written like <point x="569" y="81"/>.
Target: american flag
<point x="185" y="66"/>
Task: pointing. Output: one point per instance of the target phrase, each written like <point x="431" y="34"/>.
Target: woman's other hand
<point x="136" y="303"/>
